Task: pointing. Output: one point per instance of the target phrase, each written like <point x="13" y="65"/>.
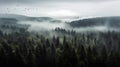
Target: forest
<point x="59" y="33"/>
<point x="21" y="48"/>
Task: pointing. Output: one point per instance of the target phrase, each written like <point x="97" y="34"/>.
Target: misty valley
<point x="50" y="42"/>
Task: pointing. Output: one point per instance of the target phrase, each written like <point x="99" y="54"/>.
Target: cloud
<point x="39" y="1"/>
<point x="60" y="8"/>
<point x="62" y="13"/>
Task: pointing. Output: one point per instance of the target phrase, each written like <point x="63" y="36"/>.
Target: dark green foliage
<point x="20" y="49"/>
<point x="100" y="21"/>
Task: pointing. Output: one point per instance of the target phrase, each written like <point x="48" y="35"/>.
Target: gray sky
<point x="24" y="1"/>
<point x="61" y="8"/>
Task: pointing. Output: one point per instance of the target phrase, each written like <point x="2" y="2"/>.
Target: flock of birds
<point x="18" y="8"/>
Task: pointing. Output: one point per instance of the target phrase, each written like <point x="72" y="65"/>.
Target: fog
<point x="38" y="26"/>
<point x="50" y="26"/>
<point x="95" y="28"/>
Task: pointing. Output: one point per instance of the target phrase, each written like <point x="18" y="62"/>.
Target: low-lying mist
<point x="95" y="28"/>
<point x="37" y="26"/>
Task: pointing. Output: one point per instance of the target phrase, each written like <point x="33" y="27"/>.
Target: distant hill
<point x="7" y="21"/>
<point x="99" y="21"/>
<point x="18" y="17"/>
<point x="27" y="18"/>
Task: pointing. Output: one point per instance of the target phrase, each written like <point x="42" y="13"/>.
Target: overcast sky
<point x="61" y="8"/>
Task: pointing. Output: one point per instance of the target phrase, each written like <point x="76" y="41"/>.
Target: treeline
<point x="84" y="50"/>
<point x="9" y="27"/>
<point x="64" y="31"/>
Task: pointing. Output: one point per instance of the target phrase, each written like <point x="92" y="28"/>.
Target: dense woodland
<point x="24" y="49"/>
<point x="64" y="48"/>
